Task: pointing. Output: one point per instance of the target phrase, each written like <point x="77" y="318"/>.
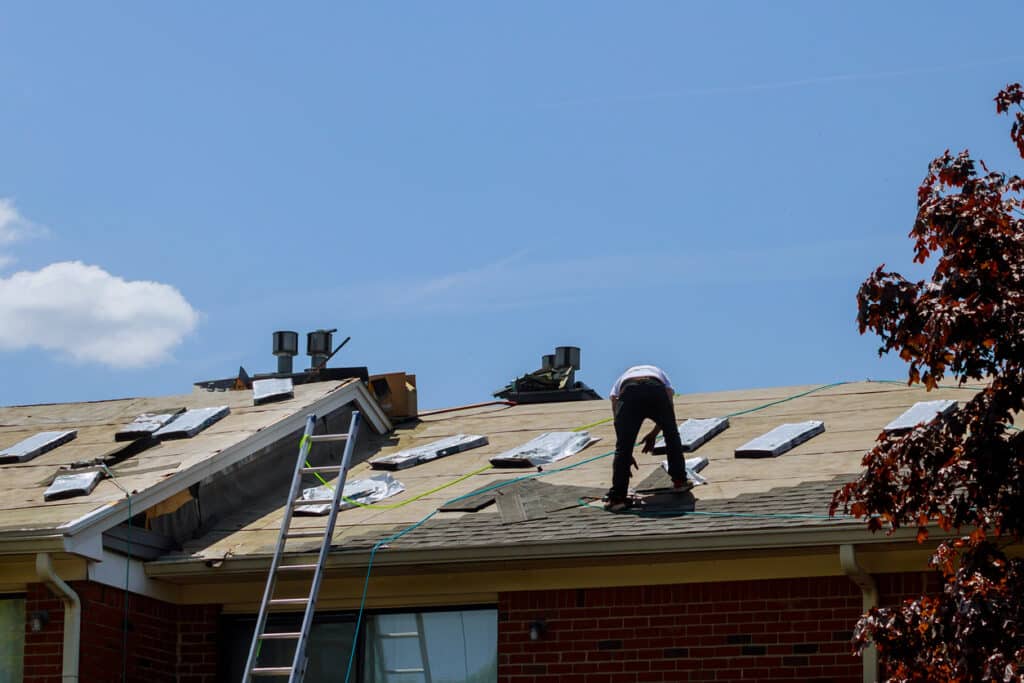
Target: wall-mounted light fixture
<point x="38" y="620"/>
<point x="538" y="629"/>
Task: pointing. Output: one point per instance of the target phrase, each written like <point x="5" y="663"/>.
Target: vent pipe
<point x="319" y="346"/>
<point x="547" y="362"/>
<point x="567" y="357"/>
<point x="286" y="347"/>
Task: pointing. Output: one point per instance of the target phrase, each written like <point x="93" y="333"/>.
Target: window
<point x="12" y="638"/>
<point x="440" y="647"/>
<point x="330" y="643"/>
<point x="459" y="646"/>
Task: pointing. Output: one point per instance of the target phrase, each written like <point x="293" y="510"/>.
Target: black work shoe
<point x="617" y="504"/>
<point x="681" y="485"/>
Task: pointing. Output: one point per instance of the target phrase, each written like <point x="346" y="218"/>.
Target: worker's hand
<point x="634" y="463"/>
<point x="649" y="441"/>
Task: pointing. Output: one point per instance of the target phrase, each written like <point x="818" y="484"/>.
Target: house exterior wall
<point x="165" y="642"/>
<point x="777" y="630"/>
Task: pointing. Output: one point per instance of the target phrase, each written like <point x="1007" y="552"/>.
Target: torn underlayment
<point x="146" y="424"/>
<point x="410" y="457"/>
<point x="695" y="432"/>
<point x="270" y="390"/>
<point x="365" y="491"/>
<point x="35" y="445"/>
<point x="545" y="449"/>
<point x="693" y="468"/>
<point x="71" y="485"/>
<point x="191" y="422"/>
<point x="781" y="439"/>
<point x="922" y="412"/>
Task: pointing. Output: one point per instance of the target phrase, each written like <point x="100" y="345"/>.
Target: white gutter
<point x="869" y="599"/>
<point x="72" y="615"/>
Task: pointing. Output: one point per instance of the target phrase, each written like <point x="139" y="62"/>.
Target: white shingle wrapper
<point x="267" y="390"/>
<point x="920" y="412"/>
<point x="544" y="449"/>
<point x="369" y="490"/>
<point x="693" y="467"/>
<point x="410" y="457"/>
<point x="695" y="432"/>
<point x="781" y="439"/>
<point x="36" y="445"/>
<point x="191" y="422"/>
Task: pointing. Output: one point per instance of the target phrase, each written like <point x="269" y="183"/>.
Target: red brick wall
<point x="166" y="643"/>
<point x="779" y="630"/>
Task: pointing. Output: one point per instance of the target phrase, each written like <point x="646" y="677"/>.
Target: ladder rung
<point x="272" y="671"/>
<point x="405" y="671"/>
<point x="323" y="438"/>
<point x="406" y="634"/>
<point x="296" y="567"/>
<point x="315" y="501"/>
<point x="305" y="534"/>
<point x="281" y="636"/>
<point x="321" y="468"/>
<point x="289" y="601"/>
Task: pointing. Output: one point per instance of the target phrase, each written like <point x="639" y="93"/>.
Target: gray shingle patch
<point x="36" y="445"/>
<point x="781" y="439"/>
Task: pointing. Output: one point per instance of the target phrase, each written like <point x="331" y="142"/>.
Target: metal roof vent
<point x="318" y="347"/>
<point x="554" y="382"/>
<point x="286" y="347"/>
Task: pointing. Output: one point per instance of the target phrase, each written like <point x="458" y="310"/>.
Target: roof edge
<point x="111" y="514"/>
<point x="799" y="537"/>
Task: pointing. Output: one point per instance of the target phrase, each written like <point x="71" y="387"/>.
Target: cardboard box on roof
<point x="396" y="393"/>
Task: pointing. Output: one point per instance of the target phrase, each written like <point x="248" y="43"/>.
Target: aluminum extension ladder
<point x="297" y="670"/>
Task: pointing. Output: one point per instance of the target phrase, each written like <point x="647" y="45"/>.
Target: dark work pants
<point x="637" y="402"/>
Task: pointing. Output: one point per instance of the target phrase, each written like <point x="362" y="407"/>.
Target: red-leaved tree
<point x="964" y="472"/>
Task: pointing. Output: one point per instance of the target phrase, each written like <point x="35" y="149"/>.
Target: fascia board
<point x="24" y="544"/>
<point x="108" y="516"/>
<point x="588" y="550"/>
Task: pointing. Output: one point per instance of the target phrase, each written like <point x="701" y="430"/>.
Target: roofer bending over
<point x="643" y="392"/>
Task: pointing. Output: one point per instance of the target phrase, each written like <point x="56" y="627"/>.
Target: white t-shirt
<point x="640" y="371"/>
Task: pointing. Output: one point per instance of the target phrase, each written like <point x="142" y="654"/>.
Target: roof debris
<point x="36" y="445"/>
<point x="357" y="492"/>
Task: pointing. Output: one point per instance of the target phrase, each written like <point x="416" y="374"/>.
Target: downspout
<point x="869" y="599"/>
<point x="72" y="615"/>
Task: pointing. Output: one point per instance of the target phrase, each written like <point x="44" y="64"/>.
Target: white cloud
<point x="13" y="226"/>
<point x="89" y="315"/>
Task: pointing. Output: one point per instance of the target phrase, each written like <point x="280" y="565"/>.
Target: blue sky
<point x="463" y="186"/>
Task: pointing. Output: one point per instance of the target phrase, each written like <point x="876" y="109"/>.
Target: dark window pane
<point x="12" y="638"/>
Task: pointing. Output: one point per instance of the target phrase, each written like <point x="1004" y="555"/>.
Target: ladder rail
<point x="325" y="546"/>
<point x="268" y="591"/>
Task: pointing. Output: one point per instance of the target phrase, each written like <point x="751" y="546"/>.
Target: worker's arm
<point x="615" y="404"/>
<point x="650" y="438"/>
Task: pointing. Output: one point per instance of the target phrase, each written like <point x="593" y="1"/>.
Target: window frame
<point x="226" y="622"/>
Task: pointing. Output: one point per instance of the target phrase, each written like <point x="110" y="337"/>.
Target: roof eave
<point x="776" y="539"/>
